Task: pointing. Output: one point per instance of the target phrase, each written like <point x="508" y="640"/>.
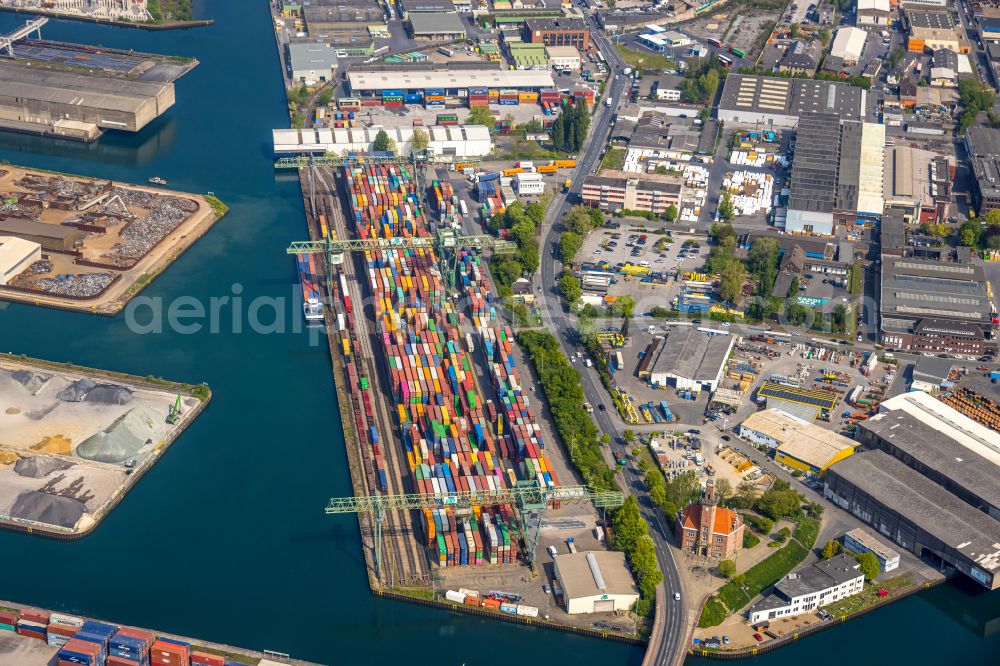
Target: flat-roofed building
<point x="595" y="582"/>
<point x="859" y="541"/>
<point x="983" y="147"/>
<point x="312" y="62"/>
<point x="16" y="255"/>
<point x="936" y="440"/>
<point x="557" y="32"/>
<point x="917" y="514"/>
<point x="873" y="12"/>
<point x="804" y="403"/>
<point x="451" y="78"/>
<point x="749" y="99"/>
<point x="432" y="27"/>
<point x="564" y="57"/>
<point x="690" y="360"/>
<point x="935" y="306"/>
<point x="918" y="182"/>
<point x="327" y="18"/>
<point x="77" y="105"/>
<point x="797" y="443"/>
<point x="51" y="237"/>
<point x="617" y="190"/>
<point x="456" y="141"/>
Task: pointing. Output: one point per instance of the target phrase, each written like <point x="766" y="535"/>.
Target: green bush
<point x="759" y="523"/>
<point x="750" y="539"/>
<point x="713" y="613"/>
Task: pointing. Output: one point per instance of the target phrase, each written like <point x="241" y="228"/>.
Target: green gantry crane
<point x="530" y="499"/>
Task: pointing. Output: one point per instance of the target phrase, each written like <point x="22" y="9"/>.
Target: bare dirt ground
<point x="99" y="247"/>
<point x="739" y="26"/>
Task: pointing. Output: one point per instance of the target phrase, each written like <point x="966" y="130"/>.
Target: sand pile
<point x="122" y="439"/>
<point x="35" y="467"/>
<point x="45" y="508"/>
<point x="31" y="381"/>
<point x="10" y="411"/>
<point x="54" y="444"/>
<point x="86" y="390"/>
<point x="7" y="457"/>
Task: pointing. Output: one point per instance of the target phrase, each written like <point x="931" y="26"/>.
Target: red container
<point x="8" y="618"/>
<point x="40" y="617"/>
<point x="203" y="659"/>
<point x="63" y="630"/>
<point x="169" y="654"/>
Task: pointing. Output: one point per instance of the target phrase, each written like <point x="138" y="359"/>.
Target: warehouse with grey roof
<point x="917" y="513"/>
<point x="779" y="102"/>
<point x="690" y="360"/>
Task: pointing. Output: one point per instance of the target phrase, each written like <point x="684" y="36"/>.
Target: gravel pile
<point x="87" y="390"/>
<point x="31" y="381"/>
<point x="85" y="285"/>
<point x="35" y="467"/>
<point x="123" y="439"/>
<point x="45" y="508"/>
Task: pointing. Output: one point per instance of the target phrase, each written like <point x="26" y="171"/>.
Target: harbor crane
<point x="529" y="497"/>
<point x="34" y="25"/>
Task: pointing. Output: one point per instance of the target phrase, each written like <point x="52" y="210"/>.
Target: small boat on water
<point x="156" y="180"/>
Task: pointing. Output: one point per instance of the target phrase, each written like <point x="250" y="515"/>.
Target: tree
<point x="779" y="502"/>
<point x="814" y="509"/>
<point x="731" y="284"/>
<point x="727" y="568"/>
<point x="535" y="212"/>
<point x="420" y="139"/>
<point x="628" y="435"/>
<point x="869" y="566"/>
<point x="992" y="218"/>
<point x="671" y="213"/>
<point x="558" y="132"/>
<point x="382" y="142"/>
<point x="793" y="288"/>
<point x="831" y="549"/>
<point x="570" y="288"/>
<point x="569" y="244"/>
<point x="793" y="30"/>
<point x="723" y="490"/>
<point x="480" y="115"/>
<point x="824" y="36"/>
<point x="658" y="495"/>
<point x="746" y="494"/>
<point x="625" y="306"/>
<point x="726" y="209"/>
<point x="628" y="525"/>
<point x="325" y="97"/>
<point x="969" y="232"/>
<point x="605" y="438"/>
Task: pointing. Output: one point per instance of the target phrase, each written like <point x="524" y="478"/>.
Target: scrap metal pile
<point x="86" y="285"/>
<point x="165" y="213"/>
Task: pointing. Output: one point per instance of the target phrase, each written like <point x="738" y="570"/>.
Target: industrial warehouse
<point x="779" y="102"/>
<point x="451" y="81"/>
<point x="936" y="305"/>
<point x="798" y="444"/>
<point x="78" y="92"/>
<point x="454" y="141"/>
<point x="689" y="360"/>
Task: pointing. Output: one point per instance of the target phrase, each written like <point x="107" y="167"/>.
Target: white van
<point x="553" y="552"/>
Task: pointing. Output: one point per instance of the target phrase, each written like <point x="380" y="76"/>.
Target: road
<point x="666" y="645"/>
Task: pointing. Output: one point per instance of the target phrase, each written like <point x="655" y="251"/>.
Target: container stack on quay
<point x="91" y="643"/>
<point x="446" y="202"/>
<point x="491" y="601"/>
<point x="454" y="440"/>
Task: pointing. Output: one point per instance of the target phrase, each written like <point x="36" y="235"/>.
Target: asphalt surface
<point x="666" y="647"/>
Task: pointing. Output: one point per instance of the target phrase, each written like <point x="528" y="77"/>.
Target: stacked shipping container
<point x="453" y="439"/>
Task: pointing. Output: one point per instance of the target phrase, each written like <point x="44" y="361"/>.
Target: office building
<point x="858" y="541"/>
<point x="616" y="190"/>
<point x="557" y="32"/>
<point x="873" y="12"/>
<point x="810" y="588"/>
<point x="983" y="147"/>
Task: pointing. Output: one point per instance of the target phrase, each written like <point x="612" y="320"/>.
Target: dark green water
<point x="226" y="539"/>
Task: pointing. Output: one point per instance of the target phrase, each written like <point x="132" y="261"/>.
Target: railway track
<point x="406" y="560"/>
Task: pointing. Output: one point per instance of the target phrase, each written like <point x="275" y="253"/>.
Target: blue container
<point x="99" y="628"/>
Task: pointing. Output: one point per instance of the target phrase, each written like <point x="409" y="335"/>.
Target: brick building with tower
<point x="708" y="530"/>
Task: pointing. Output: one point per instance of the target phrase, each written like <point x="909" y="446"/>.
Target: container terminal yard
<point x="440" y="410"/>
<point x="90" y="245"/>
<point x="78" y="92"/>
<point x="73" y="441"/>
<point x="35" y="636"/>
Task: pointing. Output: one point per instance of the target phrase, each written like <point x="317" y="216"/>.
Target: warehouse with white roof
<point x="849" y="44"/>
<point x="451" y="80"/>
<point x="454" y="141"/>
<point x="595" y="582"/>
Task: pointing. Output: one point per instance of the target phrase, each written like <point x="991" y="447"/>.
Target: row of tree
<point x="569" y="129"/>
<point x="520" y="224"/>
<point x="631" y="536"/>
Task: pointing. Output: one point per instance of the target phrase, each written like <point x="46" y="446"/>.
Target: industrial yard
<point x="90" y="245"/>
<point x="73" y="441"/>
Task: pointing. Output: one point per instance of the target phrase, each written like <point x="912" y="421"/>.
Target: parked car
<point x="758" y="637"/>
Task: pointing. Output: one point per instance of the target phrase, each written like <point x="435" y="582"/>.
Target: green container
<point x="364" y="382"/>
<point x="7" y="627"/>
